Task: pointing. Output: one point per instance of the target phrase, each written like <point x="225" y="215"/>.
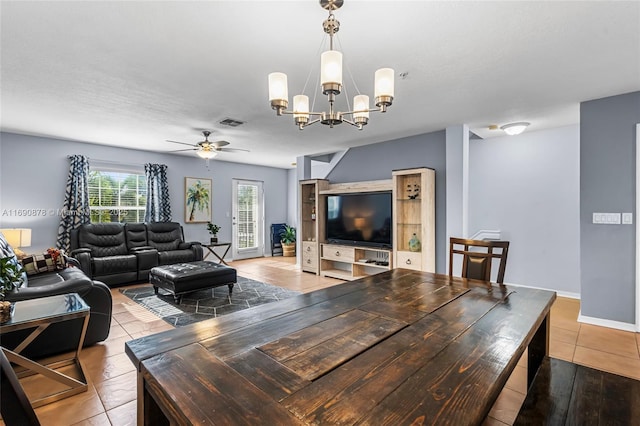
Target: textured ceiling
<point x="134" y="74"/>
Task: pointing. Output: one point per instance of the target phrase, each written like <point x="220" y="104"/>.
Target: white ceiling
<point x="135" y="73"/>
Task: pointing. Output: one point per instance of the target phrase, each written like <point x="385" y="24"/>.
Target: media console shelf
<point x="352" y="262"/>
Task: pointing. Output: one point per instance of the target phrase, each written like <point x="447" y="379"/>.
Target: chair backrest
<point x="477" y="257"/>
<point x="164" y="236"/>
<point x="103" y="239"/>
<point x="276" y="231"/>
<point x="14" y="404"/>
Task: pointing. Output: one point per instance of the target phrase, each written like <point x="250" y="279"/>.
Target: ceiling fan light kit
<point x="331" y="82"/>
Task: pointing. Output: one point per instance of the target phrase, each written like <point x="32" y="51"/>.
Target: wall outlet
<point x="627" y="218"/>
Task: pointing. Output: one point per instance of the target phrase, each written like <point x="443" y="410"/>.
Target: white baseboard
<point x="618" y="325"/>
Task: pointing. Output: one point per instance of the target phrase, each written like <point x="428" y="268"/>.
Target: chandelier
<point x="331" y="82"/>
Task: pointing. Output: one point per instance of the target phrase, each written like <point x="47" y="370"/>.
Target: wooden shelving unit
<point x="312" y="222"/>
<point x="414" y="214"/>
<point x="350" y="263"/>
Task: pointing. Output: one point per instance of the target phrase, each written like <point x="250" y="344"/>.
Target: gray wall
<point x="377" y="161"/>
<point x="33" y="173"/>
<point x="607" y="184"/>
<point x="528" y="187"/>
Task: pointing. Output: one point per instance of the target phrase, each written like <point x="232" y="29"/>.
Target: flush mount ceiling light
<point x="331" y="82"/>
<point x="515" y="128"/>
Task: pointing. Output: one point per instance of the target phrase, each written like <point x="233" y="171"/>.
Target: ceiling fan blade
<point x="183" y="150"/>
<point x="232" y="150"/>
<point x="182" y="143"/>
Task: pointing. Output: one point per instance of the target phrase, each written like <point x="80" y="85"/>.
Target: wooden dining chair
<point x="15" y="406"/>
<point x="477" y="257"/>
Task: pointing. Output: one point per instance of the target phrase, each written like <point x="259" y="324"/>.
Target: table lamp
<point x="17" y="237"/>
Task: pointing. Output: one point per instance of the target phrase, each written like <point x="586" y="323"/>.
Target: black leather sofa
<point x="117" y="253"/>
<point x="62" y="336"/>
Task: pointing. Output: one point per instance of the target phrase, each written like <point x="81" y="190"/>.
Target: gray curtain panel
<point x="158" y="207"/>
<point x="75" y="210"/>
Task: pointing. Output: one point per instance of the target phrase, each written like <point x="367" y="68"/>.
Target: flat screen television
<point x="359" y="219"/>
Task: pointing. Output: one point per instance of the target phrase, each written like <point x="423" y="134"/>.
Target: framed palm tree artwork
<point x="197" y="200"/>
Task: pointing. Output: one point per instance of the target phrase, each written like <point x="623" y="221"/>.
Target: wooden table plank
<point x="461" y="382"/>
<point x="267" y="374"/>
<point x="324" y="357"/>
<point x="349" y="392"/>
<point x="306" y="338"/>
<point x="194" y="387"/>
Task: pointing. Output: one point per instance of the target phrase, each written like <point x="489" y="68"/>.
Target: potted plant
<point x="213" y="230"/>
<point x="10" y="279"/>
<point x="288" y="241"/>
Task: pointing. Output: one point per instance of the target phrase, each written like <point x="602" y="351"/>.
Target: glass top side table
<point x="40" y="313"/>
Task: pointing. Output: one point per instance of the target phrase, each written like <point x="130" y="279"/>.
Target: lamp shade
<point x="278" y="89"/>
<point x="515" y="128"/>
<point x="361" y="103"/>
<point x="300" y="106"/>
<point x="384" y="82"/>
<point x="17" y="237"/>
<point x="331" y="67"/>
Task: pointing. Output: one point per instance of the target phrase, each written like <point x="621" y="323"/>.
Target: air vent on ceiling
<point x="231" y="122"/>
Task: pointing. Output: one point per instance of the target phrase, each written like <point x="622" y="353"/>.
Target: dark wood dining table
<point x="399" y="347"/>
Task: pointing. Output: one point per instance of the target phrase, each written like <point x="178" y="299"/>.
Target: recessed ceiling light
<point x="515" y="128"/>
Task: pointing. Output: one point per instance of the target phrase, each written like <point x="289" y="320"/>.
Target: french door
<point x="248" y="219"/>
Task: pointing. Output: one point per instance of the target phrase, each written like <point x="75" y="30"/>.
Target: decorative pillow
<point x="46" y="262"/>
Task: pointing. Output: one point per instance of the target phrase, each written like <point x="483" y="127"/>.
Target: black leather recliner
<point x="119" y="253"/>
<point x="62" y="336"/>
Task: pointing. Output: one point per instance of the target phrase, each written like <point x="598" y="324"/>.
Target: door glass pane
<point x="247" y="215"/>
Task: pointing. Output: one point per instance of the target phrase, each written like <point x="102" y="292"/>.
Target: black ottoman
<point x="181" y="278"/>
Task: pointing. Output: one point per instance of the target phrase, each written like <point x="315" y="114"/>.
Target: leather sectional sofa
<point x="62" y="336"/>
<point x="117" y="253"/>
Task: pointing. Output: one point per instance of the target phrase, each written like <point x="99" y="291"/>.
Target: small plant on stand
<point x="213" y="230"/>
<point x="10" y="279"/>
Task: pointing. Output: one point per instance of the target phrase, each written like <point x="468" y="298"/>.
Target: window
<point x="116" y="196"/>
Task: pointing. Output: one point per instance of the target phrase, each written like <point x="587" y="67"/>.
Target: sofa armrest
<point x="195" y="247"/>
<point x="83" y="257"/>
<point x="188" y="245"/>
<point x="147" y="257"/>
<point x="75" y="285"/>
<point x="72" y="261"/>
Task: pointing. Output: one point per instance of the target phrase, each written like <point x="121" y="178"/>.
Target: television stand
<point x="353" y="262"/>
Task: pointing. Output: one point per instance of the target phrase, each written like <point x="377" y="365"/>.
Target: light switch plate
<point x="606" y="218"/>
<point x="627" y="218"/>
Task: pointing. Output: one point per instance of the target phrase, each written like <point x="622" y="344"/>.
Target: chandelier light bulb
<point x="384" y="82"/>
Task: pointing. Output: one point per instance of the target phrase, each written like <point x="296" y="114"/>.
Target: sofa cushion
<point x="164" y="236"/>
<point x="114" y="264"/>
<point x="136" y="234"/>
<point x="103" y="239"/>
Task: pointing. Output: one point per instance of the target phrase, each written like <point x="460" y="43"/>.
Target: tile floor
<point x="111" y="398"/>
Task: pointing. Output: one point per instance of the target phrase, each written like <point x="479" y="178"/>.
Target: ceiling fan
<point x="208" y="149"/>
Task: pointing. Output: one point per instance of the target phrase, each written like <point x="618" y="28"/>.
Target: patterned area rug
<point x="205" y="304"/>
